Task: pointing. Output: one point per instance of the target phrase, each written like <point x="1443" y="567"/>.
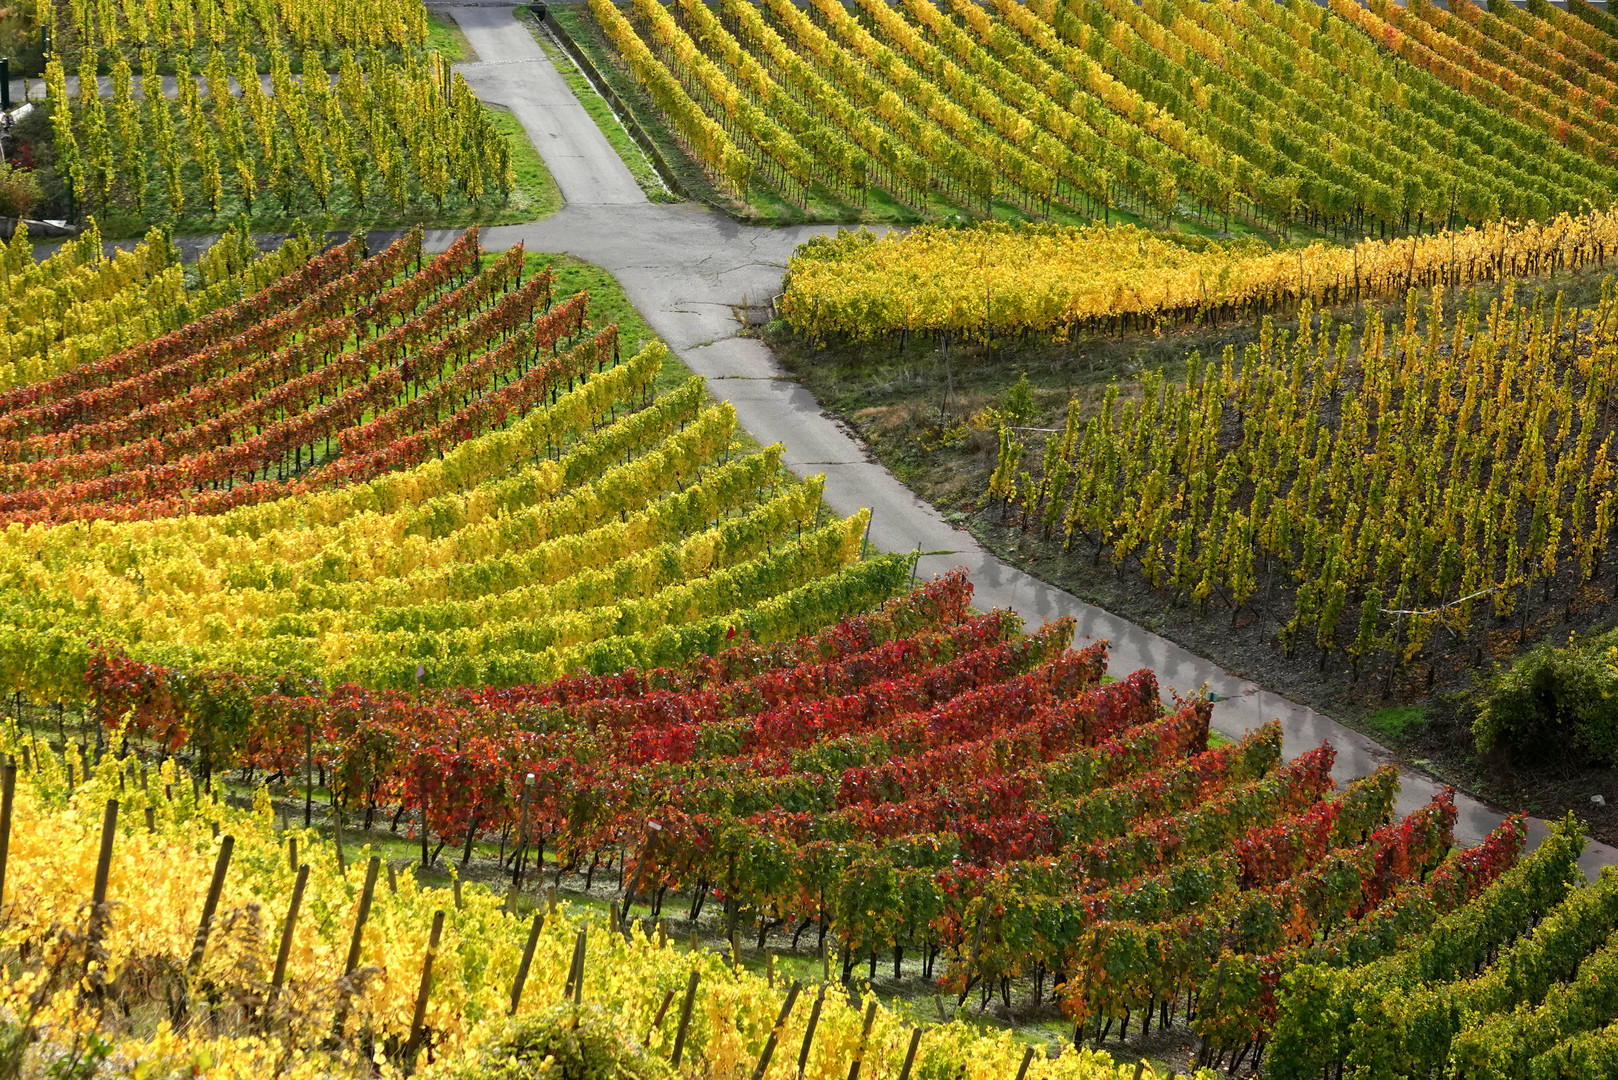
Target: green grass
<point x="640" y="166"/>
<point x="1397" y="720"/>
<point x="445" y="36"/>
<point x="765" y="206"/>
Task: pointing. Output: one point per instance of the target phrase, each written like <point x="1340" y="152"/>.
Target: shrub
<point x="1555" y="702"/>
<point x="19" y="191"/>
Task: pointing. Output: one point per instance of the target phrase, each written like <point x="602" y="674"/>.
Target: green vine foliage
<point x="1399" y="1016"/>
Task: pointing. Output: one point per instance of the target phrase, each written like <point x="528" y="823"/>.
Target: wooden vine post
<point x="685" y="1015"/>
<point x="420" y="1016"/>
<point x="522" y="833"/>
<point x="367" y="892"/>
<point x="657" y="1019"/>
<point x="527" y="961"/>
<point x="8" y="795"/>
<point x="865" y="1038"/>
<point x="216" y="886"/>
<point x="575" y="972"/>
<point x="287" y="926"/>
<point x="373" y="867"/>
<point x="199" y="941"/>
<point x="809" y="1031"/>
<point x="1028" y="1059"/>
<point x="910" y="1054"/>
<point x="98" y="894"/>
<point x="775" y="1032"/>
<point x="109" y="826"/>
<point x="337" y="836"/>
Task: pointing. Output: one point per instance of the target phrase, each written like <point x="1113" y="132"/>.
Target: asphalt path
<point x="513" y="71"/>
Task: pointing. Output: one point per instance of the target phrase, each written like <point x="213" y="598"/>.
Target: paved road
<point x="688" y="270"/>
<point x="512" y="70"/>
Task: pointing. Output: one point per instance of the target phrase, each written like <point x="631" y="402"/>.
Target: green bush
<point x="19" y="191"/>
<point x="1555" y="702"/>
<point x="566" y="1042"/>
